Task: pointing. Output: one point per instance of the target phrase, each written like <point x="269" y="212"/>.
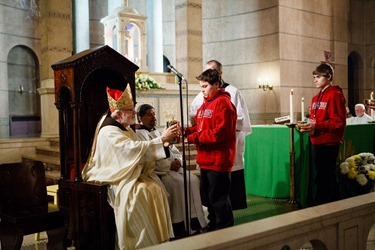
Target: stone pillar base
<point x="49" y="114"/>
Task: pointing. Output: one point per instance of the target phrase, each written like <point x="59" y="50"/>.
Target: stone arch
<point x="23" y="98"/>
<point x="314" y="244"/>
<point x="133" y="43"/>
<point x="355" y="79"/>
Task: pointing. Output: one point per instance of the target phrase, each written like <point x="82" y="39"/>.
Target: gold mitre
<point x="119" y="100"/>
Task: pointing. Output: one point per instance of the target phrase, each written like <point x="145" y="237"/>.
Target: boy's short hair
<point x="325" y="70"/>
<point x="211" y="76"/>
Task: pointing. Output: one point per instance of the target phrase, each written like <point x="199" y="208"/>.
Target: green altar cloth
<point x="267" y="159"/>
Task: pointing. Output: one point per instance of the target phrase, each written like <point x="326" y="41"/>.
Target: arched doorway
<point x="23" y="98"/>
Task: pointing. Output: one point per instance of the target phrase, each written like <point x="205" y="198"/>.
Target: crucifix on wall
<point x="327" y="57"/>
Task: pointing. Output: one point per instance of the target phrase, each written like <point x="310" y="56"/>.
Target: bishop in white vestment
<point x="120" y="159"/>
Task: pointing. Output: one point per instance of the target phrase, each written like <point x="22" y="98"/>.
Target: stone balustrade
<point x="343" y="224"/>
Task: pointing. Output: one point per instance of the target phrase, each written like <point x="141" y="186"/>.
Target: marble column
<point x="155" y="34"/>
<point x="56" y="40"/>
<point x="188" y="16"/>
<point x="81" y="25"/>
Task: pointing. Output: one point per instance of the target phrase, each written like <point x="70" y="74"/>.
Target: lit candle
<point x="303" y="109"/>
<point x="372" y="111"/>
<point x="291" y="106"/>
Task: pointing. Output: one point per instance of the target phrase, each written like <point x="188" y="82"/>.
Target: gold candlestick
<point x="292" y="199"/>
<point x="369" y="102"/>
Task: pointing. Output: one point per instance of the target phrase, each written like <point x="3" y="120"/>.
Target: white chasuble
<point x="174" y="183"/>
<point x="136" y="194"/>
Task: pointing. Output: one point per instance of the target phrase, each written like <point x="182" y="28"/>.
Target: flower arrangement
<point x="360" y="167"/>
<point x="145" y="82"/>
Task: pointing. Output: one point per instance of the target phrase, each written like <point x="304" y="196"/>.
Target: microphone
<point x="175" y="71"/>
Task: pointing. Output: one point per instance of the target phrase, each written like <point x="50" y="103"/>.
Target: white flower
<point x="360" y="167"/>
<point x="361" y="179"/>
<point x="344" y="168"/>
<point x="145" y="83"/>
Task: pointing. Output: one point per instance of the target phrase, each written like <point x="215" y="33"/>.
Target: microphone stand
<point x="184" y="157"/>
<point x="180" y="79"/>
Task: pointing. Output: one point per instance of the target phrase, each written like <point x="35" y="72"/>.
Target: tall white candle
<point x="291" y="106"/>
<point x="372" y="111"/>
<point x="303" y="109"/>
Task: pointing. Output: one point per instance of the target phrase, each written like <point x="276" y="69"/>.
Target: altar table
<point x="267" y="159"/>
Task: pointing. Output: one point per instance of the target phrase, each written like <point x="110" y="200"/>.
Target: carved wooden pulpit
<point x="81" y="99"/>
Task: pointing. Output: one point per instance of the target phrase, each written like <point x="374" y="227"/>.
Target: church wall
<point x="369" y="41"/>
<point x="244" y="38"/>
<point x="360" y="24"/>
<point x="307" y="28"/>
<point x="304" y="34"/>
<point x="17" y="27"/>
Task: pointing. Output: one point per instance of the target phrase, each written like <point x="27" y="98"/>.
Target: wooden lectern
<point x="81" y="99"/>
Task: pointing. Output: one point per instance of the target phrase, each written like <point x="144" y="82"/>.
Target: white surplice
<point x="174" y="183"/>
<point x="136" y="194"/>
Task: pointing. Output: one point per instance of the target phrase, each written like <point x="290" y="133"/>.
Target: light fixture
<point x="20" y="89"/>
<point x="265" y="86"/>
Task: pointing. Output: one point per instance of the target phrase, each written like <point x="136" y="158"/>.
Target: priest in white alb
<point x="118" y="158"/>
<point x="361" y="116"/>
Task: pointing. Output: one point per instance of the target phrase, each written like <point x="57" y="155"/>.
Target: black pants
<point x="237" y="192"/>
<point x="327" y="186"/>
<point x="214" y="189"/>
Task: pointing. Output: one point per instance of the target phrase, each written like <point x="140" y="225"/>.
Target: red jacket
<point x="215" y="133"/>
<point x="328" y="110"/>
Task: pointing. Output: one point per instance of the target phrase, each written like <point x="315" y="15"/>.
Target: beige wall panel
<point x="305" y="49"/>
<point x="356" y="11"/>
<point x="370" y="34"/>
<point x="341" y="76"/>
<point x="249" y="25"/>
<point x="340" y="29"/>
<point x="303" y="23"/>
<point x="244" y="51"/>
<point x="339" y="8"/>
<point x="369" y="8"/>
<point x="214" y="8"/>
<point x="259" y="101"/>
<point x="340" y="52"/>
<point x="317" y="6"/>
<point x="247" y="76"/>
<point x="294" y="73"/>
<point x="356" y="33"/>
